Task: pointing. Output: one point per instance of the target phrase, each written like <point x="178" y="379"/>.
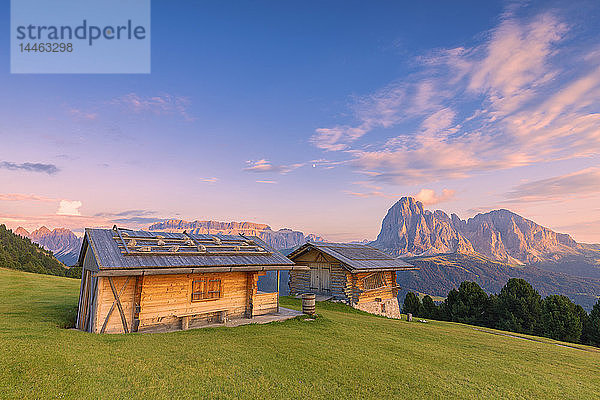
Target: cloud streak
<point x="163" y="104"/>
<point x="49" y="169"/>
<point x="581" y="183"/>
<point x="209" y="180"/>
<point x="513" y="100"/>
<point x="24" y="197"/>
<point x="265" y="166"/>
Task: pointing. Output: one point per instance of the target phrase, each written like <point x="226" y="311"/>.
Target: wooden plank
<point x="116" y="302"/>
<point x="117" y="299"/>
<point x="121" y="237"/>
<point x="83" y="300"/>
<point x="137" y="303"/>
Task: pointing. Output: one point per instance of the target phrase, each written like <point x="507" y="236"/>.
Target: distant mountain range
<point x="20" y="253"/>
<point x="65" y="245"/>
<point x="280" y="239"/>
<point x="60" y="241"/>
<point x="489" y="248"/>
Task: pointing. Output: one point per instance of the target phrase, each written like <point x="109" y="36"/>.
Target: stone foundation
<point x="388" y="308"/>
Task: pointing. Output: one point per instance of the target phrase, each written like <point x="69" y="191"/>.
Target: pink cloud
<point x="24" y="197"/>
<point x="69" y="207"/>
<point x="530" y="110"/>
<point x="582" y="183"/>
<point x="374" y="193"/>
<point x="163" y="104"/>
<point x="429" y="197"/>
<point x="209" y="180"/>
<point x="516" y="60"/>
<point x="264" y="165"/>
<point x="80" y="114"/>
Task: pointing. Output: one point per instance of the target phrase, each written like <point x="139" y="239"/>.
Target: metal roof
<point x="356" y="257"/>
<point x="131" y="251"/>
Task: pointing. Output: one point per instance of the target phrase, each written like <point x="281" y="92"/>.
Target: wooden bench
<point x="185" y="318"/>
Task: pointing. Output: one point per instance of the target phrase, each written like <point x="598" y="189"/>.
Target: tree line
<point x="22" y="254"/>
<point x="517" y="308"/>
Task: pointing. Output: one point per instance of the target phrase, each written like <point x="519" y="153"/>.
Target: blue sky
<point x="318" y="117"/>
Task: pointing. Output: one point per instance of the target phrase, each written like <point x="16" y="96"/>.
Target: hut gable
<point x="357" y="274"/>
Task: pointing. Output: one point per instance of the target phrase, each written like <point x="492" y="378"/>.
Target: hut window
<point x="374" y="281"/>
<point x="206" y="289"/>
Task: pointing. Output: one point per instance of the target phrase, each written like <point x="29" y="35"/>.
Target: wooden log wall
<point x="164" y="300"/>
<point x="361" y="295"/>
<point x="264" y="303"/>
<point x="299" y="281"/>
<point x="86" y="313"/>
<point x="167" y="296"/>
<point x="339" y="281"/>
<point x="251" y="289"/>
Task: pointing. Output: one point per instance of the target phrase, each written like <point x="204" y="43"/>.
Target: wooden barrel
<point x="308" y="303"/>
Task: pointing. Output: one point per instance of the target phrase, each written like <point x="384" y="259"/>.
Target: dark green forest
<point x="22" y="254"/>
<point x="517" y="308"/>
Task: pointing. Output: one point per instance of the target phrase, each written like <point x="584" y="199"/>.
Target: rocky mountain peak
<point x="41" y="231"/>
<point x="408" y="228"/>
<point x="63" y="243"/>
<point x="21" y="232"/>
<point x="499" y="234"/>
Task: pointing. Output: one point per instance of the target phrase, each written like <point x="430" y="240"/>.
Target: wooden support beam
<point x="116" y="302"/>
<point x="137" y="303"/>
<point x="116" y="229"/>
<point x="277" y="290"/>
<point x="117" y="299"/>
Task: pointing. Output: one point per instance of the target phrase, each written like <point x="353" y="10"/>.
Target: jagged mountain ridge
<point x="20" y="253"/>
<point x="63" y="243"/>
<point x="280" y="239"/>
<point x="409" y="229"/>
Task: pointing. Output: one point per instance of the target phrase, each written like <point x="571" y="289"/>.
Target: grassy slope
<point x="341" y="355"/>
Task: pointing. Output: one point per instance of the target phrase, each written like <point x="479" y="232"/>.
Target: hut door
<point x="314" y="278"/>
<point x="324" y="275"/>
<point x="319" y="277"/>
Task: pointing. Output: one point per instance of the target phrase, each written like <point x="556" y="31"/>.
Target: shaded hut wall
<point x="359" y="294"/>
<point x="264" y="303"/>
<point x="164" y="299"/>
<point x="299" y="281"/>
<point x="105" y="302"/>
<point x="86" y="312"/>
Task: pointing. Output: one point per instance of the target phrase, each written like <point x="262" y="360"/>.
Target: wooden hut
<point x="357" y="274"/>
<point x="148" y="282"/>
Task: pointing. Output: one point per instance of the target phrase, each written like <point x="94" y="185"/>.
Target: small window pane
<point x="374" y="281"/>
<point x="205" y="288"/>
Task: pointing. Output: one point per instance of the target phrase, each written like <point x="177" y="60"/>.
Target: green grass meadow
<point x="343" y="354"/>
